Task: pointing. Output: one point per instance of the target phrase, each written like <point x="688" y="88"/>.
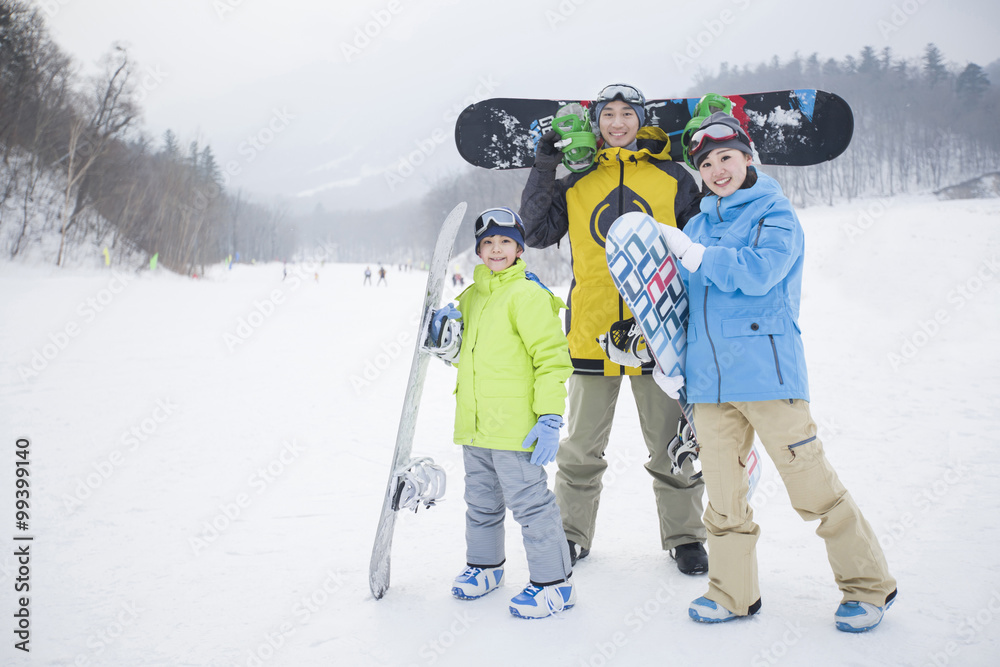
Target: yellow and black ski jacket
<point x="583" y="205"/>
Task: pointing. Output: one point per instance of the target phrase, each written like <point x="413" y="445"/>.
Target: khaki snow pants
<point x="788" y="433"/>
<point x="582" y="464"/>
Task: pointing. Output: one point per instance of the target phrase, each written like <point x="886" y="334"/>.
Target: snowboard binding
<point x="624" y="344"/>
<point x="577" y="140"/>
<point x="421" y="484"/>
<point x="706" y="106"/>
<point x="443" y="335"/>
<point x="682" y="448"/>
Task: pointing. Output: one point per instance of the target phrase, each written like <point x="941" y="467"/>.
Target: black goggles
<point x="623" y="92"/>
<point x="497" y="217"/>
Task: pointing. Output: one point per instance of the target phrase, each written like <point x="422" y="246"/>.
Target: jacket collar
<point x="650" y="142"/>
<point x="765" y="187"/>
<point x="486" y="281"/>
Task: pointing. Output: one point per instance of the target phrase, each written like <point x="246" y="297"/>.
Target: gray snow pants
<point x="496" y="480"/>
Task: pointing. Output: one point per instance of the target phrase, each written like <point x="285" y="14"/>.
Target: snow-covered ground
<point x="208" y="458"/>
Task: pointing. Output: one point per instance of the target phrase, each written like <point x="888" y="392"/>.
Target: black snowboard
<point x="788" y="127"/>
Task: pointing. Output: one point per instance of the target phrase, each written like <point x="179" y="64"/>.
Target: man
<point x="632" y="171"/>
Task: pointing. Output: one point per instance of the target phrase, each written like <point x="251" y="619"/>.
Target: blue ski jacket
<point x="744" y="341"/>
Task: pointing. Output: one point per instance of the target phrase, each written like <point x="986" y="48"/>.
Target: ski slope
<point x="208" y="457"/>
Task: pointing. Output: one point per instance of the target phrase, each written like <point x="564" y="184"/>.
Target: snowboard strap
<point x="422" y="483"/>
<point x="624" y="344"/>
<point x="682" y="447"/>
<point x="577" y="140"/>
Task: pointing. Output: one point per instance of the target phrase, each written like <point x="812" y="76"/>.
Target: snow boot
<point x="573" y="555"/>
<point x="475" y="582"/>
<point x="691" y="558"/>
<point x="704" y="610"/>
<point x="542" y="601"/>
<point x="853" y="616"/>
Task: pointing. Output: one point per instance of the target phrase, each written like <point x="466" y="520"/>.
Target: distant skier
<point x="511" y="394"/>
<point x="381" y="277"/>
<point x="742" y="260"/>
<point x="368" y="277"/>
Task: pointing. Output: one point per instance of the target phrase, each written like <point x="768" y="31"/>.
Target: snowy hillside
<point x="208" y="457"/>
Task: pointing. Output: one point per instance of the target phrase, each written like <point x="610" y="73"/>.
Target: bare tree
<point x="109" y="112"/>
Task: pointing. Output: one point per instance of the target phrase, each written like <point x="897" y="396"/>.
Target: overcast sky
<point x="319" y="100"/>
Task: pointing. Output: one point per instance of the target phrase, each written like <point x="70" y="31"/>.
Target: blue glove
<point x="546" y="432"/>
<point x="449" y="312"/>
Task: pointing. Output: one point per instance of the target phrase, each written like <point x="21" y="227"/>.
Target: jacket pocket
<point x="758" y="326"/>
<point x="753" y="326"/>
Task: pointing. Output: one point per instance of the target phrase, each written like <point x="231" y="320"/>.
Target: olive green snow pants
<point x="788" y="433"/>
<point x="582" y="463"/>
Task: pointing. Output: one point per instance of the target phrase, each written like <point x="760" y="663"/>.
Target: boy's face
<point x="724" y="170"/>
<point x="498" y="252"/>
<point x="619" y="124"/>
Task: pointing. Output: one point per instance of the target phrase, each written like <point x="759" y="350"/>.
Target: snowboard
<point x="788" y="127"/>
<point x="645" y="273"/>
<point x="378" y="575"/>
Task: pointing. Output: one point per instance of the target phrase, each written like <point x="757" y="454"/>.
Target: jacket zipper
<point x="760" y="226"/>
<point x="774" y="348"/>
<point x="715" y="358"/>
<point x="777" y="366"/>
<point x="621" y="205"/>
<point x="708" y="333"/>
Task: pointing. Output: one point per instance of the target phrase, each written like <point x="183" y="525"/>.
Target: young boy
<point x="513" y="363"/>
<point x="742" y="262"/>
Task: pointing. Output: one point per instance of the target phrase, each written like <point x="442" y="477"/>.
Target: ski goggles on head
<point x="624" y="92"/>
<point x="498" y="217"/>
<point x="716" y="132"/>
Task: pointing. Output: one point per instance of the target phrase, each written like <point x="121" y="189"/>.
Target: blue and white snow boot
<point x="543" y="601"/>
<point x="704" y="610"/>
<point x="475" y="582"/>
<point x="853" y="616"/>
